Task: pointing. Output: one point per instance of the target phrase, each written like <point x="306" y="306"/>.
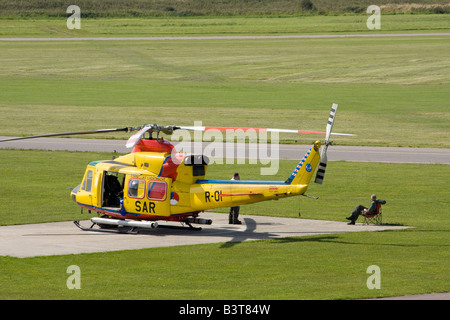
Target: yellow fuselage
<point x="159" y="186"/>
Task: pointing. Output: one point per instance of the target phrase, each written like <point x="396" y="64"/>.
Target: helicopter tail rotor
<point x="323" y="154"/>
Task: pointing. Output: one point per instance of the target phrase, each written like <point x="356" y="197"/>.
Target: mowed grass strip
<point x="36" y="186"/>
<point x="213" y="25"/>
<point x="391" y="91"/>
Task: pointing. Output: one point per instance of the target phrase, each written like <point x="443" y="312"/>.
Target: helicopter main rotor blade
<point x="126" y="129"/>
<point x="260" y="129"/>
<point x="134" y="139"/>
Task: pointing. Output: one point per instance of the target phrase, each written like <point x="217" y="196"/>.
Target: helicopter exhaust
<point x="125" y="223"/>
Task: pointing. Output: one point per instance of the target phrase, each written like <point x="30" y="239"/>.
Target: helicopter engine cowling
<point x="160" y="145"/>
<point x="191" y="168"/>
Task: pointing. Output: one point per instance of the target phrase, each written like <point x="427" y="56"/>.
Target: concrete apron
<point x="61" y="238"/>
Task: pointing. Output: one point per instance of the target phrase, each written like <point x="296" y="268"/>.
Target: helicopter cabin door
<point x="112" y="191"/>
<point x="147" y="196"/>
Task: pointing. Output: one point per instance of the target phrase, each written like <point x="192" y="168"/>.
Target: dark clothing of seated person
<point x="359" y="209"/>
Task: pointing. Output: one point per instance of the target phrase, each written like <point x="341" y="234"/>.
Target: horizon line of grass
<point x="129" y="15"/>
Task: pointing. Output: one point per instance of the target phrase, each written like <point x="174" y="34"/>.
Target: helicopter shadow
<point x="226" y="231"/>
<point x="247" y="234"/>
<point x="230" y="235"/>
<point x="250" y="234"/>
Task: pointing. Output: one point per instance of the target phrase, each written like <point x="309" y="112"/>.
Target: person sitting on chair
<point x="359" y="209"/>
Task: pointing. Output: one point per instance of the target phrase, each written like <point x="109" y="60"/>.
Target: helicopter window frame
<point x="157" y="192"/>
<point x="137" y="196"/>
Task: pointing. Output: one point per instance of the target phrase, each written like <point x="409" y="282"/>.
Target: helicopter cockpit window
<point x="87" y="183"/>
<point x="136" y="188"/>
<point x="157" y="190"/>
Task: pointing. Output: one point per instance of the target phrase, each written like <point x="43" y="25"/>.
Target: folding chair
<point x="375" y="218"/>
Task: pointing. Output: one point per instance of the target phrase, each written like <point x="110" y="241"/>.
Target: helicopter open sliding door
<point x="112" y="189"/>
<point x="147" y="196"/>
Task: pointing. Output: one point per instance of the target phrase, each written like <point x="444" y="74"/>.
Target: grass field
<point x="386" y="87"/>
<point x="390" y="91"/>
<point x="320" y="267"/>
<point x="234" y="25"/>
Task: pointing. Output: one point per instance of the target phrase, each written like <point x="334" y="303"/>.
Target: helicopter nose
<point x="74" y="193"/>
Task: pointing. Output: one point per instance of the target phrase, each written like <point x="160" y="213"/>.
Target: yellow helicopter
<point x="155" y="183"/>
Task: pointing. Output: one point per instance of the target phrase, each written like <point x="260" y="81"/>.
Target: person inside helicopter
<point x="113" y="190"/>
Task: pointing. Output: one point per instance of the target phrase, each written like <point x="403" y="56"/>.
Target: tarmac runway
<point x="249" y="150"/>
<point x="62" y="238"/>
